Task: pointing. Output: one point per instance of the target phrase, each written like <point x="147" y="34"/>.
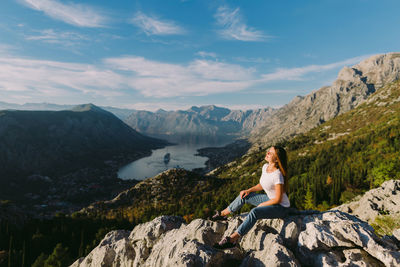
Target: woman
<point x="273" y="204"/>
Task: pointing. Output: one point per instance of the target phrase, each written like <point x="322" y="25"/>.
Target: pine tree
<point x="308" y="200"/>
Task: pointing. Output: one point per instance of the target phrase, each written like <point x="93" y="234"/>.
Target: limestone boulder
<point x="382" y="200"/>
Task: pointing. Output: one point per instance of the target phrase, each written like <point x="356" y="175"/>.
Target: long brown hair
<point x="281" y="164"/>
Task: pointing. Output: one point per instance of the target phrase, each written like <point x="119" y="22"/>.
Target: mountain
<point x="66" y="159"/>
<point x="50" y="142"/>
<point x="309" y="238"/>
<point x="197" y="123"/>
<point x="351" y="88"/>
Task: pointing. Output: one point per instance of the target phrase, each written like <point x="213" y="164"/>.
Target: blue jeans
<point x="266" y="212"/>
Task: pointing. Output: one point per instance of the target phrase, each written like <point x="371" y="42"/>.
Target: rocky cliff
<point x="351" y="88"/>
<point x="331" y="238"/>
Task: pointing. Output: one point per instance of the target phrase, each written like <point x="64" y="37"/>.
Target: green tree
<point x="383" y="172"/>
<point x="60" y="257"/>
<point x="308" y="200"/>
<point x="39" y="262"/>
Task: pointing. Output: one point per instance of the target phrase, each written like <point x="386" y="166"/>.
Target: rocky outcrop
<point x="351" y="88"/>
<point x="331" y="238"/>
<point x="384" y="200"/>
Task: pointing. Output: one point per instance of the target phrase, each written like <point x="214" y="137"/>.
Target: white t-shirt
<point x="268" y="182"/>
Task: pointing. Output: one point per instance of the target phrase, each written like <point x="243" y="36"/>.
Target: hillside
<point x="53" y="142"/>
<point x="53" y="158"/>
<point x="176" y="191"/>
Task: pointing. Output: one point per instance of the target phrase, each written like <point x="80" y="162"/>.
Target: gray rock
<point x="114" y="250"/>
<point x="144" y="236"/>
<point x="334" y="230"/>
<point x="382" y="200"/>
<point x="396" y="234"/>
<point x="190" y="245"/>
<point x="332" y="238"/>
<point x="270" y="251"/>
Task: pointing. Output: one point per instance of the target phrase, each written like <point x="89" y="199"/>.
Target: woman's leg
<point x="266" y="212"/>
<point x="252" y="198"/>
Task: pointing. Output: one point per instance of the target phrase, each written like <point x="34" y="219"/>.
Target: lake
<point x="182" y="156"/>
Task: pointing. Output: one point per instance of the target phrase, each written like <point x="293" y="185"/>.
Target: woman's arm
<point x="255" y="188"/>
<point x="277" y="199"/>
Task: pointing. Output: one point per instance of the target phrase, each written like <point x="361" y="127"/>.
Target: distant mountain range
<point x="198" y="123"/>
<point x="261" y="126"/>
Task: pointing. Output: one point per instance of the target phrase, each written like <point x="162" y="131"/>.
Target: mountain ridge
<point x="69" y="156"/>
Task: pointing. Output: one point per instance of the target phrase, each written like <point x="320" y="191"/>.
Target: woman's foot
<point x="225" y="242"/>
<point x="218" y="217"/>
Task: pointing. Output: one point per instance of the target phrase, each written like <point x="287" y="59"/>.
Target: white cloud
<point x="114" y="77"/>
<point x="75" y="14"/>
<point x="299" y="73"/>
<point x="206" y="54"/>
<point x="257" y="60"/>
<point x="199" y="77"/>
<point x="5" y="48"/>
<point x="234" y="28"/>
<point x="57" y="37"/>
<point x="41" y="77"/>
<point x="154" y="26"/>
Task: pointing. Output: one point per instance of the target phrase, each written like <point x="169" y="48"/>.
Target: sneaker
<point x="225" y="243"/>
<point x="218" y="217"/>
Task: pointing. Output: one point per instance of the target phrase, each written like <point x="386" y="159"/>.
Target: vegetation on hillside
<point x="53" y="242"/>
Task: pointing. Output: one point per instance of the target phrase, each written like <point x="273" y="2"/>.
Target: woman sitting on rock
<point x="273" y="204"/>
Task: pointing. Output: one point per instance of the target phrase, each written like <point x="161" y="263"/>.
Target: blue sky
<point x="178" y="53"/>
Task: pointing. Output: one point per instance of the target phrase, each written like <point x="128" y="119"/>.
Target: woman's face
<point x="271" y="155"/>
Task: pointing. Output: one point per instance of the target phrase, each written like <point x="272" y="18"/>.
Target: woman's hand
<point x="244" y="193"/>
